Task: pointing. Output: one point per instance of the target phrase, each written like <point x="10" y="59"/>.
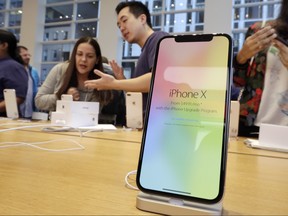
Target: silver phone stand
<point x="172" y="206"/>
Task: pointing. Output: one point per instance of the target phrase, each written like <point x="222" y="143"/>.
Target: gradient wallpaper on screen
<point x="184" y="134"/>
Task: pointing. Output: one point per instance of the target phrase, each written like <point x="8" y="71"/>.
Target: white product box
<point x="75" y="113"/>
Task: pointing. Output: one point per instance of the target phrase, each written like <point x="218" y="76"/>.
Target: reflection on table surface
<point x="91" y="181"/>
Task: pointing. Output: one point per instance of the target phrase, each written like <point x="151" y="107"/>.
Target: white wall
<point x="32" y="29"/>
<point x="109" y="36"/>
<point x="218" y="16"/>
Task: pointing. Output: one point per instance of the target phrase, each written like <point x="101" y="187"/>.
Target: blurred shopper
<point x="261" y="69"/>
<point x="12" y="73"/>
<point x="28" y="107"/>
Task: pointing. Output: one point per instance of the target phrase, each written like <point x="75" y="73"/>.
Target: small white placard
<point x="271" y="137"/>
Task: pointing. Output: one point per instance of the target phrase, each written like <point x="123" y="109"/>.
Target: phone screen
<point x="183" y="151"/>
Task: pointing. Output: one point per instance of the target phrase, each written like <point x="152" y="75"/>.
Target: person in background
<point x="69" y="77"/>
<point x="261" y="68"/>
<point x="12" y="71"/>
<point x="134" y="22"/>
<point x="28" y="106"/>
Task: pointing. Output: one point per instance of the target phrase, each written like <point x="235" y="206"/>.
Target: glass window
<point x="236" y="14"/>
<point x="130" y="50"/>
<point x="251" y="1"/>
<point x="15" y="18"/>
<point x="56" y="52"/>
<point x="10" y="16"/>
<point x="156" y="21"/>
<point x="199" y="15"/>
<point x="86" y="29"/>
<point x="177" y="22"/>
<point x="55" y="1"/>
<point x="2" y="4"/>
<point x="183" y="5"/>
<point x="153" y="5"/>
<point x="2" y="19"/>
<point x="253" y="12"/>
<point x="189" y="4"/>
<point x="69" y="20"/>
<point x="195" y="22"/>
<point x="59" y="13"/>
<point x="273" y="11"/>
<point x="57" y="32"/>
<point x="16" y="4"/>
<point x="199" y="28"/>
<point x="88" y="10"/>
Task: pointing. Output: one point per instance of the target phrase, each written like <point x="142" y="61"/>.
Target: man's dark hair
<point x="136" y="8"/>
<point x="19" y="47"/>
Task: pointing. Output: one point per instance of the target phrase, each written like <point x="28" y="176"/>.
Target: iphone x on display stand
<point x="185" y="136"/>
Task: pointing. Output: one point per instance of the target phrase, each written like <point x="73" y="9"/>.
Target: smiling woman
<point x="69" y="77"/>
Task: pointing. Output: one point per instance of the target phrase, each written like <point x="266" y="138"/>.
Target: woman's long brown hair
<point x="69" y="78"/>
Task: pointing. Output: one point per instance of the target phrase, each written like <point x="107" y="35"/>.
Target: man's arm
<point x="106" y="81"/>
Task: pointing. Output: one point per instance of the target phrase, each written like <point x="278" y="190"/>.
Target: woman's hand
<point x="256" y="43"/>
<point x="74" y="92"/>
<point x="105" y="82"/>
<point x="117" y="70"/>
<point x="283" y="52"/>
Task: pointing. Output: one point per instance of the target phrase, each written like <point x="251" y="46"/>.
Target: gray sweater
<point x="46" y="98"/>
